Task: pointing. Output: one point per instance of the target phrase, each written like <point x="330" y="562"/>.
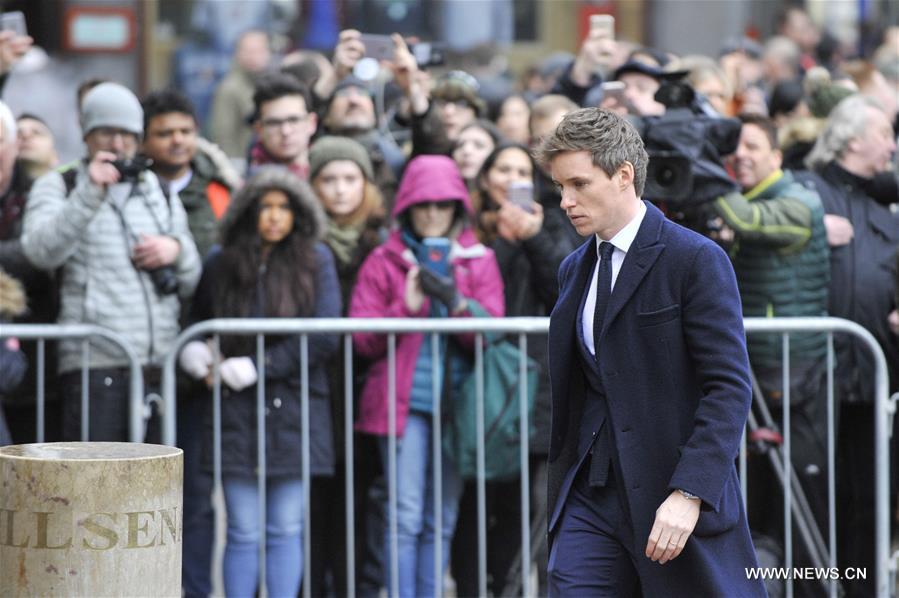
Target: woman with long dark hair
<point x="271" y="264"/>
<point x="530" y="244"/>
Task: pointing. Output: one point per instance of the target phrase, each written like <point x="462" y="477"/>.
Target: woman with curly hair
<point x="271" y="264"/>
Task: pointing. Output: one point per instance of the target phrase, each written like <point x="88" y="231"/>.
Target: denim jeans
<point x="283" y="540"/>
<point x="415" y="509"/>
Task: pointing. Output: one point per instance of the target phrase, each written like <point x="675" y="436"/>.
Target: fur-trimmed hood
<point x="211" y="157"/>
<point x="311" y="220"/>
<point x="12" y="297"/>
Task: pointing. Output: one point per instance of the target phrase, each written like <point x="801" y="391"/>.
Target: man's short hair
<point x="549" y="105"/>
<point x="166" y="101"/>
<point x="610" y="139"/>
<point x="764" y="123"/>
<point x="274" y="86"/>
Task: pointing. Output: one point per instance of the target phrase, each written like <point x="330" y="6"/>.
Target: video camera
<point x="685" y="146"/>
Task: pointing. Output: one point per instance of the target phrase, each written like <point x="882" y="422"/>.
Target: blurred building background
<point x="148" y="44"/>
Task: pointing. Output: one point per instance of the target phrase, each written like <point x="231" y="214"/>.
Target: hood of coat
<point x="310" y="221"/>
<point x="12" y="297"/>
<point x="212" y="163"/>
<point x="431" y="179"/>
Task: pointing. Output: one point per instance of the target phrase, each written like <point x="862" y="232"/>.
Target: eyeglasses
<point x="445" y="204"/>
<point x="275" y="124"/>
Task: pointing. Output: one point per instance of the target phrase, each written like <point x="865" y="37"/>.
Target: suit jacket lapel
<point x="563" y="331"/>
<point x="638" y="261"/>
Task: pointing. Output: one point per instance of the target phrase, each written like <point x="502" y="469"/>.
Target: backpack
<point x="502" y="411"/>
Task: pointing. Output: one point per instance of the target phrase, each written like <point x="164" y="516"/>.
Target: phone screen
<point x="522" y="195"/>
<point x="379" y="47"/>
<point x="603" y="25"/>
<point x="615" y="90"/>
<point x="14" y="21"/>
<point x="436" y="255"/>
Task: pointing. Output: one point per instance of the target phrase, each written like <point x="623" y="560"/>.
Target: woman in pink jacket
<point x="409" y="277"/>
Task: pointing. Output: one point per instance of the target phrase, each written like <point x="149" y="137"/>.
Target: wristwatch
<point x="688" y="495"/>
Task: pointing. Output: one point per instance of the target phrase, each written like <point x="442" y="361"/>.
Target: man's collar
<point x="625" y="237"/>
<point x="764" y="184"/>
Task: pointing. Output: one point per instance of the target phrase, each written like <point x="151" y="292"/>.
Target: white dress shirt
<point x="622" y="243"/>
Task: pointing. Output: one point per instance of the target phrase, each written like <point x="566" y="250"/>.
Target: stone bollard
<point x="90" y="519"/>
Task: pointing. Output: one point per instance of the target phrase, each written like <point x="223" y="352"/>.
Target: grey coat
<point x="83" y="236"/>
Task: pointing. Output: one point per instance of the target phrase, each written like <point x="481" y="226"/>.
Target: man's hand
<point x="155" y="251"/>
<point x="674" y="523"/>
<point x="839" y="230"/>
<point x="596" y="56"/>
<point x="101" y="172"/>
<point x="408" y="77"/>
<point x="893" y="321"/>
<point x="348" y="51"/>
<point x="12" y="48"/>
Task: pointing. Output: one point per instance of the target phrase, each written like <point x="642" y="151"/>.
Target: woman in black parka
<point x="271" y="264"/>
<point x="529" y="244"/>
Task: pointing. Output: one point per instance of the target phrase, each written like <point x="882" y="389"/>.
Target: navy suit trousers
<point x="589" y="554"/>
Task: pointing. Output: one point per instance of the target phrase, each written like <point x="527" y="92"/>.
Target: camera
<point x="685" y="146"/>
<point x="130" y="169"/>
<point x="165" y="281"/>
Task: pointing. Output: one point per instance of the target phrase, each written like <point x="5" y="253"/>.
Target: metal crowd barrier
<point x="391" y="327"/>
<point x="42" y="332"/>
<point x="884" y="408"/>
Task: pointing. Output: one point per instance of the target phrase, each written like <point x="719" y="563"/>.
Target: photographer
<point x="125" y="255"/>
<point x="780" y="257"/>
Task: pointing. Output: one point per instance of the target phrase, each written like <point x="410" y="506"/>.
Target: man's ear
<point x="625" y="175"/>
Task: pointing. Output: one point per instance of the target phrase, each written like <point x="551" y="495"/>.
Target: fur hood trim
<point x="311" y="220"/>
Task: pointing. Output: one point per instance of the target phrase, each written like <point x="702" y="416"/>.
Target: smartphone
<point x="436" y="254"/>
<point x="521" y="193"/>
<point x="13" y="21"/>
<point x="615" y="90"/>
<point x="379" y="47"/>
<point x="602" y="26"/>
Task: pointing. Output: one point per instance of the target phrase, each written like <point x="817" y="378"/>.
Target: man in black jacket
<point x="856" y="145"/>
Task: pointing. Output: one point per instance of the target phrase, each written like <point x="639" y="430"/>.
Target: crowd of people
<point x="319" y="192"/>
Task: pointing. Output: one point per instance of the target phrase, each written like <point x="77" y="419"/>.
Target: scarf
<point x="343" y="240"/>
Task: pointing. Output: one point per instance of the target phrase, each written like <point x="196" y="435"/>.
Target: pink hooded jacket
<point x="381" y="286"/>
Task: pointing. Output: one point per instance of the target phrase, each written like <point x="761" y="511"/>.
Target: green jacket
<point x="195" y="198"/>
<point x="781" y="260"/>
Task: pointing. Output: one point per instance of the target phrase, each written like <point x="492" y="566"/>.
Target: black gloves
<point x="442" y="288"/>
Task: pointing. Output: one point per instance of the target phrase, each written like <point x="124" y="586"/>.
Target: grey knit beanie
<point x="328" y="149"/>
<point x="112" y="105"/>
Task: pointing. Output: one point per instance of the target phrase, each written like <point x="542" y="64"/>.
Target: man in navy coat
<point x="650" y="387"/>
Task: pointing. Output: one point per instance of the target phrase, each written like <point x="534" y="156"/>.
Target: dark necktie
<point x="602" y="449"/>
<point x="603" y="291"/>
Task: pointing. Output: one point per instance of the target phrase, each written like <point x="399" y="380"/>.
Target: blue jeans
<point x="415" y="509"/>
<point x="283" y="539"/>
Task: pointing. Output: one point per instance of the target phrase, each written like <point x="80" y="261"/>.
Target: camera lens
<point x="165" y="281"/>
